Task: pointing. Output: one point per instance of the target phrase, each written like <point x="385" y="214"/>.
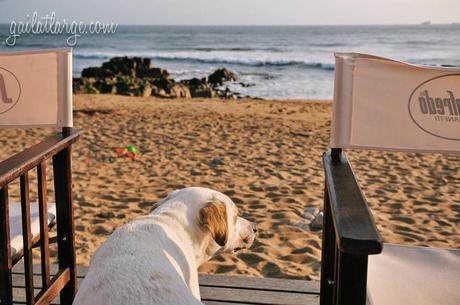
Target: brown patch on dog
<point x="213" y="218"/>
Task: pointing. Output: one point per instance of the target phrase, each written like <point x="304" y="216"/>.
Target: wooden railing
<point x="349" y="235"/>
<point x="58" y="148"/>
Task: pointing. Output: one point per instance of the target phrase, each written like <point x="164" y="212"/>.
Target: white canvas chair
<point x="385" y="105"/>
<point x="36" y="91"/>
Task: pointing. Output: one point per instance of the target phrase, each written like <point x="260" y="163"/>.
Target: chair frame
<point x="349" y="235"/>
<point x="57" y="148"/>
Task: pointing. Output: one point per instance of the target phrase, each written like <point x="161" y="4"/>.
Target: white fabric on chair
<point x="389" y="105"/>
<point x="403" y="275"/>
<point x="16" y="223"/>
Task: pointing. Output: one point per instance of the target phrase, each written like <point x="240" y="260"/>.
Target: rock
<point x="122" y="88"/>
<point x="162" y="87"/>
<point x="96" y="72"/>
<point x="180" y="91"/>
<point x="104" y="87"/>
<point x="314" y="218"/>
<point x="310" y="213"/>
<point x="89" y="89"/>
<point x="217" y="161"/>
<point x="301" y="225"/>
<point x="199" y="88"/>
<point x="220" y="76"/>
<point x="146" y="90"/>
<point x="160" y="93"/>
<point x="169" y="88"/>
<point x="77" y="85"/>
<point x="317" y="223"/>
<point x="246" y="85"/>
<point x="227" y="94"/>
<point x="128" y="66"/>
<point x="153" y="73"/>
<point x="203" y="92"/>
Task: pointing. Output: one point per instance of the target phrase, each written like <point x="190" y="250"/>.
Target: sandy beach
<point x="266" y="155"/>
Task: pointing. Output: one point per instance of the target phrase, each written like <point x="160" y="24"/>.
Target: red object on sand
<point x="129" y="154"/>
<point x="123" y="152"/>
<point x="120" y="151"/>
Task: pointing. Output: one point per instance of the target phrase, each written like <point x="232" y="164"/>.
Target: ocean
<point x="280" y="62"/>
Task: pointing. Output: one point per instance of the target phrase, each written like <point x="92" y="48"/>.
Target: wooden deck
<point x="215" y="289"/>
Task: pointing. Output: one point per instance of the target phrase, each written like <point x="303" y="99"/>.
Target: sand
<point x="266" y="155"/>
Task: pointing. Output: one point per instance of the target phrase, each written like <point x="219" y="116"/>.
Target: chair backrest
<point x="389" y="105"/>
<point x="36" y="91"/>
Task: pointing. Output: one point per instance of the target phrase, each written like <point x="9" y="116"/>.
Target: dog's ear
<point x="213" y="218"/>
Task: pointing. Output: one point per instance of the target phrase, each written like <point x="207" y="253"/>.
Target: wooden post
<point x="336" y="154"/>
<point x="327" y="255"/>
<point x="65" y="221"/>
<point x="352" y="279"/>
<point x="66" y="131"/>
<point x="6" y="264"/>
<point x="27" y="238"/>
<point x="43" y="211"/>
<point x="336" y="275"/>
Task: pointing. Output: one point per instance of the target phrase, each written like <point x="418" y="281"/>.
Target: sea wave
<point x="326" y="44"/>
<point x="236" y="49"/>
<point x="248" y="62"/>
<point x="240" y="61"/>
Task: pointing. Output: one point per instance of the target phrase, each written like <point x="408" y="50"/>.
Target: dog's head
<point x="215" y="217"/>
<point x="230" y="232"/>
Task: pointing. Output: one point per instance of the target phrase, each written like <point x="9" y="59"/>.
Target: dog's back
<point x="137" y="265"/>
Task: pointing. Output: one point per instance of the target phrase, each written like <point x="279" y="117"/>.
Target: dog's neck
<point x="188" y="236"/>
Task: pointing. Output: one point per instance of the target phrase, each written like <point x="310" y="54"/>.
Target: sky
<point x="237" y="12"/>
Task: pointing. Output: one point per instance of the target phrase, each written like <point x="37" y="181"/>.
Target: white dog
<point x="154" y="259"/>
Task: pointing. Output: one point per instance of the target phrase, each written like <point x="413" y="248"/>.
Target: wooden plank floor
<point x="215" y="289"/>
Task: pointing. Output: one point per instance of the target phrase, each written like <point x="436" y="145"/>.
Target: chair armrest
<point x="22" y="162"/>
<point x="354" y="226"/>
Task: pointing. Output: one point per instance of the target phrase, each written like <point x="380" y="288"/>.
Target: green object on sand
<point x="132" y="148"/>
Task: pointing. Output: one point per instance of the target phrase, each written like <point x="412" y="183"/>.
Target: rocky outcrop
<point x="135" y="76"/>
<point x="220" y="76"/>
<point x="200" y="88"/>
